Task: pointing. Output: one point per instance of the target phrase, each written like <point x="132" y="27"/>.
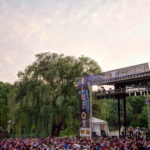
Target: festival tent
<point x="99" y="126"/>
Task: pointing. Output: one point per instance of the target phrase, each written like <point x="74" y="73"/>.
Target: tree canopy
<point x="46" y="94"/>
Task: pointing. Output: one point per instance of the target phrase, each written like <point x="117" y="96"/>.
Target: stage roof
<point x="121" y="75"/>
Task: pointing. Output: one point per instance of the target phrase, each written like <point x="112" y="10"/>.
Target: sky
<point x="115" y="33"/>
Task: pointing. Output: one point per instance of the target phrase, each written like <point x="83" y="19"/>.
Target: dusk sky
<point x="116" y="33"/>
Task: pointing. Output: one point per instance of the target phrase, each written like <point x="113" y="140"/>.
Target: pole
<point x="119" y="116"/>
<point x="148" y="106"/>
<point x="91" y="108"/>
<point x="124" y="108"/>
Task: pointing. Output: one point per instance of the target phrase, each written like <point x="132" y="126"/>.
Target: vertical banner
<point x="84" y="107"/>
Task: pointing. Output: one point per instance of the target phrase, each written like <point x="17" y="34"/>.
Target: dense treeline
<point x="44" y="100"/>
<point x="137" y="114"/>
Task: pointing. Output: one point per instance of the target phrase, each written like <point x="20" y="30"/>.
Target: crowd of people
<point x="57" y="143"/>
<point x="135" y="133"/>
<point x="129" y="142"/>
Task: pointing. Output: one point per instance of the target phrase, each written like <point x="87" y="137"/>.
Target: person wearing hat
<point x="137" y="132"/>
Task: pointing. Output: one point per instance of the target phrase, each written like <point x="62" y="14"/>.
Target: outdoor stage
<point x="128" y="81"/>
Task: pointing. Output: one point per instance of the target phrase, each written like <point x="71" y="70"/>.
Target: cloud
<point x="115" y="33"/>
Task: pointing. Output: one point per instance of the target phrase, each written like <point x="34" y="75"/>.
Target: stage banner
<point x="84" y="107"/>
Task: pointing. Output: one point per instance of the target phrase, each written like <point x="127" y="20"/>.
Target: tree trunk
<point x="53" y="128"/>
<point x="47" y="133"/>
<point x="58" y="129"/>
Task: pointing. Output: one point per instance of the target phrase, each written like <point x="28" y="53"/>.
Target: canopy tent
<point x="99" y="126"/>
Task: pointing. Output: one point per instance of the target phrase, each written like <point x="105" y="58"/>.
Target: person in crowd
<point x="122" y="130"/>
<point x="130" y="132"/>
<point x="137" y="132"/>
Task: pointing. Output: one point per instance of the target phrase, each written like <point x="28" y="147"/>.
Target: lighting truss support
<point x="119" y="116"/>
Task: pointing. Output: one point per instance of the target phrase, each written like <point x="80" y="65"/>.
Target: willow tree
<point x="47" y="91"/>
<point x="4" y="109"/>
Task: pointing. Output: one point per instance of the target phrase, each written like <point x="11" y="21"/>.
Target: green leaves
<point x="4" y="109"/>
<point x="46" y="93"/>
